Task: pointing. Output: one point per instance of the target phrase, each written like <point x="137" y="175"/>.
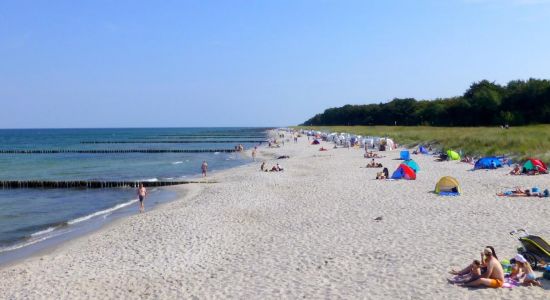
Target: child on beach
<point x="525" y="272"/>
<point x="474" y="274"/>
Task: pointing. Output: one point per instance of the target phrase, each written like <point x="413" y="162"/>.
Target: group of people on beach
<point x="385" y="174"/>
<point x="370" y="154"/>
<point x="518" y="170"/>
<point x="374" y="164"/>
<point x="275" y="168"/>
<point x="488" y="272"/>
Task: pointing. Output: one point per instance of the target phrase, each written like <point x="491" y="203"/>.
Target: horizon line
<point x="137" y="127"/>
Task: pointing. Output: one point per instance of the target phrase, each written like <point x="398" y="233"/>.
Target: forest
<point x="485" y="103"/>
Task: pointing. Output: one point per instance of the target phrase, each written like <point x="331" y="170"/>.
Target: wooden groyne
<point x="183" y="136"/>
<point x="55" y="151"/>
<point x="86" y="184"/>
<point x="173" y="142"/>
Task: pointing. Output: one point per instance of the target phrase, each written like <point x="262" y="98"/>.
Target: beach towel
<point x="449" y="194"/>
<point x="508" y="282"/>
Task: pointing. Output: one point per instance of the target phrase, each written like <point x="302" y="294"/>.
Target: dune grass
<point x="518" y="142"/>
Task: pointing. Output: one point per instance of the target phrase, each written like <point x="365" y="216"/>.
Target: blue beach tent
<point x="489" y="162"/>
<point x="423" y="150"/>
<point x="412" y="164"/>
<point x="405" y="155"/>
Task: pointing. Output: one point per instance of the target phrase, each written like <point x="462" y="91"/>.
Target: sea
<point x="33" y="219"/>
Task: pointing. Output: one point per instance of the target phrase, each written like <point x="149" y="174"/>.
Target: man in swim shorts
<point x="142" y="193"/>
<point x="494" y="276"/>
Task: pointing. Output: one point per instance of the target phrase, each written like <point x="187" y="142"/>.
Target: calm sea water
<point x="29" y="216"/>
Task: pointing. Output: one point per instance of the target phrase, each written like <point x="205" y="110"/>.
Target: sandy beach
<point x="307" y="232"/>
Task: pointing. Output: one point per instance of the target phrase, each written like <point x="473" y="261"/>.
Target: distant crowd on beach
<point x="488" y="271"/>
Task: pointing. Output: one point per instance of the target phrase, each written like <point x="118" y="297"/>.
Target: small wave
<point x="42" y="232"/>
<point x="177" y="162"/>
<point x="101" y="212"/>
<point x="32" y="240"/>
<point x="151" y="180"/>
<point x="216" y="153"/>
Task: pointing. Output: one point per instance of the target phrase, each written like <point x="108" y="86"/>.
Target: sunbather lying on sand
<point x="370" y="154"/>
<point x="519" y="192"/>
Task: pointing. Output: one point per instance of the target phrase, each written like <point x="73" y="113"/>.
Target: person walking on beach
<point x="254" y="154"/>
<point x="204" y="168"/>
<point x="142" y="193"/>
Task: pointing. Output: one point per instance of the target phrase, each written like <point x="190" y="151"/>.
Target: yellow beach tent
<point x="447" y="184"/>
<point x="453" y="155"/>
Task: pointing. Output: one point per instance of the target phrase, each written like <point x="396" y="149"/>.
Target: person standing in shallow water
<point x="142" y="193"/>
<point x="204" y="168"/>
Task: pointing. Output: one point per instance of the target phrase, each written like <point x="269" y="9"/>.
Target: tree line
<point x="485" y="103"/>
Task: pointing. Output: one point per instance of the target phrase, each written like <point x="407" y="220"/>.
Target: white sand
<point x="306" y="232"/>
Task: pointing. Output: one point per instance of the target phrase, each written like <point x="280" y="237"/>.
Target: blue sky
<point x="252" y="63"/>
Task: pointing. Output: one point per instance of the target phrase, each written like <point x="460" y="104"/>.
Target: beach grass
<point x="518" y="142"/>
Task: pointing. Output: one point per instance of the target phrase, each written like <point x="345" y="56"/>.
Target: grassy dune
<point x="518" y="142"/>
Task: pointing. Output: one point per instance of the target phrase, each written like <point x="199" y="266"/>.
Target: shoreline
<point x="95" y="224"/>
<point x="306" y="232"/>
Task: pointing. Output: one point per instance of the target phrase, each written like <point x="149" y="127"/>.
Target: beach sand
<point x="307" y="232"/>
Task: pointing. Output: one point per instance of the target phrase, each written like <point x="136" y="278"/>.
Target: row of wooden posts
<point x="85" y="184"/>
<point x="54" y="151"/>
